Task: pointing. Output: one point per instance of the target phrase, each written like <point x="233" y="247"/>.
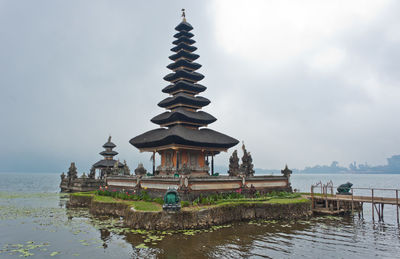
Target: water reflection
<point x="319" y="237"/>
<point x="43" y="219"/>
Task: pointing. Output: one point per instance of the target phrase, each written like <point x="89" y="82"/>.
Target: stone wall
<point x="81" y="185"/>
<point x="194" y="219"/>
<point x="191" y="187"/>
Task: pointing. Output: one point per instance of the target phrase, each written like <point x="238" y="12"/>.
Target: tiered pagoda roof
<point x="184" y="119"/>
<point x="108" y="155"/>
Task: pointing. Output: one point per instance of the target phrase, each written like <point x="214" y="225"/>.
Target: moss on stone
<point x="288" y="201"/>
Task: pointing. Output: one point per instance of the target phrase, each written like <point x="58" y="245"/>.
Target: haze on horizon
<point x="301" y="83"/>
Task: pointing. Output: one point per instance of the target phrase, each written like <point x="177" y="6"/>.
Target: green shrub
<point x="185" y="204"/>
<point x="144" y="196"/>
<point x="196" y="201"/>
<point x="159" y="200"/>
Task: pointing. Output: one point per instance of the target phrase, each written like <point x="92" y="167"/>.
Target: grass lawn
<point x="248" y="202"/>
<point x="137" y="205"/>
<point x="287" y="201"/>
<point x="83" y="194"/>
<point x="146" y="206"/>
<point x="153" y="206"/>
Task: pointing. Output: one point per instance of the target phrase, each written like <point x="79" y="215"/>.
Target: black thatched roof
<point x="107" y="163"/>
<point x="183" y="85"/>
<point x="109" y="144"/>
<point x="183" y="136"/>
<point x="184" y="54"/>
<point x="183" y="115"/>
<point x="184" y="63"/>
<point x="184" y="26"/>
<point x="183" y="46"/>
<point x="108" y="153"/>
<point x="184" y="99"/>
<point x="185" y="40"/>
<point x="184" y="74"/>
<point x="183" y="33"/>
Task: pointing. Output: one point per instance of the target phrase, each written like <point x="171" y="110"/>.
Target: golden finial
<point x="183" y="15"/>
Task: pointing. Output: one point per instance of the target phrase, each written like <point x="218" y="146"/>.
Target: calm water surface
<point x="35" y="223"/>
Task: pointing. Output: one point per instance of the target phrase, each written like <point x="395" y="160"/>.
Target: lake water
<point x="35" y="223"/>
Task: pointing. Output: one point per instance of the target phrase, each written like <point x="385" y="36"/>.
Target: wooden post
<point x="313" y="205"/>
<point x="212" y="164"/>
<point x="326" y="196"/>
<point x="382" y="205"/>
<point x="373" y="205"/>
<point x="177" y="161"/>
<point x="352" y="202"/>
<point x="362" y="210"/>
<point x="397" y="206"/>
<point x="154" y="162"/>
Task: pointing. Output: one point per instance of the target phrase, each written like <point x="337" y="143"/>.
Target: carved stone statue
<point x="234" y="164"/>
<point x="246" y="167"/>
<point x="286" y="172"/>
<point x="126" y="169"/>
<point x="92" y="174"/>
<point x="62" y="176"/>
<point x="72" y="172"/>
<point x="172" y="200"/>
<point x="140" y="170"/>
<point x="345" y="188"/>
<point x="115" y="169"/>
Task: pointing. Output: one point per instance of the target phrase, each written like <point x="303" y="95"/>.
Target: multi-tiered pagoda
<point x="108" y="163"/>
<point x="182" y="141"/>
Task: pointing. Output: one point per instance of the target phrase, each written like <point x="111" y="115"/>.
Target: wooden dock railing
<point x="325" y="192"/>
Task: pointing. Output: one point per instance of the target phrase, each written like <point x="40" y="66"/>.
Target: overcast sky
<point x="301" y="82"/>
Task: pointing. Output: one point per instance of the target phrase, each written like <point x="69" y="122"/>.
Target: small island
<point x="139" y="211"/>
<point x="195" y="195"/>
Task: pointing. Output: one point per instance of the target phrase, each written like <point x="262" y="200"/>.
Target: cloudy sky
<point x="301" y="82"/>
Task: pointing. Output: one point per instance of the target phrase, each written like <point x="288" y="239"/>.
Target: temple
<point x="106" y="165"/>
<point x="183" y="141"/>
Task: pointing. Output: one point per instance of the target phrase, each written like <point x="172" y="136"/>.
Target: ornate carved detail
<point x="140" y="170"/>
<point x="234" y="164"/>
<point x="286" y="172"/>
<point x="185" y="170"/>
<point x="126" y="169"/>
<point x="92" y="174"/>
<point x="246" y="167"/>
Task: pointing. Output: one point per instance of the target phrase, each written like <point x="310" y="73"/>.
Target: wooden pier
<point x="324" y="201"/>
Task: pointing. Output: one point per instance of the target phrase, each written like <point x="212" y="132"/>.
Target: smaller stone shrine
<point x="109" y="166"/>
<point x="234" y="164"/>
<point x="105" y="167"/>
<point x="246" y="168"/>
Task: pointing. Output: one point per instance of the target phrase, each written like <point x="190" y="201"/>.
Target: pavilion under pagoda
<point x="183" y="140"/>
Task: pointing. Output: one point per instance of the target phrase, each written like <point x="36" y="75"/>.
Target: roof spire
<point x="183" y="15"/>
